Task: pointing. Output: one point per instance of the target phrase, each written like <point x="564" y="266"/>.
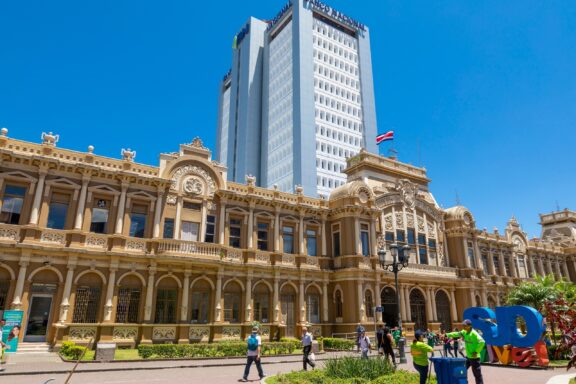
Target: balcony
<point x="432" y="270"/>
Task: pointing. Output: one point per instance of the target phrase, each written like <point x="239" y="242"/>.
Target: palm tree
<point x="534" y="294"/>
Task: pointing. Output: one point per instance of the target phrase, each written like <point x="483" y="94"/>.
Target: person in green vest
<point x="419" y="351"/>
<point x="474" y="344"/>
<point x="396" y="335"/>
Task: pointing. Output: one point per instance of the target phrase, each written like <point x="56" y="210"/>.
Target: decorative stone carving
<point x="312" y="260"/>
<point x="420" y="221"/>
<point x="388" y="222"/>
<point x="9" y="233"/>
<point x="288" y="259"/>
<point x="410" y="220"/>
<point x="81" y="333"/>
<point x="195" y="170"/>
<point x="199" y="333"/>
<point x="50" y="139"/>
<point x="197" y="143"/>
<point x="136" y="245"/>
<point x="265" y="332"/>
<point x="125" y="333"/>
<point x="53" y="237"/>
<point x="4" y="132"/>
<point x="128" y="155"/>
<point x="315" y="330"/>
<point x="96" y="242"/>
<point x="163" y="333"/>
<point x="231" y="333"/>
<point x="408" y="191"/>
<point x="193" y="186"/>
<point x="363" y="196"/>
<point x="399" y="220"/>
<point x="262" y="258"/>
<point x="211" y="206"/>
<point x="299" y="189"/>
<point x="251" y="180"/>
<point x="171" y="199"/>
<point x="431" y="231"/>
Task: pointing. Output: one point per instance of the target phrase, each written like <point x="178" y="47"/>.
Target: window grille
<point x="128" y="305"/>
<point x="418" y="309"/>
<point x="166" y="306"/>
<point x="86" y="305"/>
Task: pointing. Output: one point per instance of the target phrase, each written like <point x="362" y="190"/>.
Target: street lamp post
<point x="399" y="261"/>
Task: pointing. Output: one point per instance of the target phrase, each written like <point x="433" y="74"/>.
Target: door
<point x="38" y="318"/>
<point x="189" y="231"/>
<point x="288" y="314"/>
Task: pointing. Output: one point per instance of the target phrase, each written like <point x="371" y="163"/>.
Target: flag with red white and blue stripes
<point x="385" y="137"/>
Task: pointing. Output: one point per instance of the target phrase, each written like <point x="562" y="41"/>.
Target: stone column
<point x="178" y="219"/>
<point x="433" y="304"/>
<point x="472" y="298"/>
<point x="301" y="236"/>
<point x="65" y="306"/>
<point x="466" y="258"/>
<point x="277" y="231"/>
<point x="373" y="241"/>
<point x="407" y="304"/>
<point x="565" y="269"/>
<point x="34" y="215"/>
<point x="453" y="310"/>
<point x="478" y="256"/>
<point x="158" y="214"/>
<point x="502" y="266"/>
<point x="149" y="295"/>
<point x="276" y="302"/>
<point x="357" y="241"/>
<point x="109" y="295"/>
<point x="121" y="206"/>
<point x="325" y="317"/>
<point x="204" y="213"/>
<point x="323" y="250"/>
<point x="250" y="230"/>
<point x="81" y="204"/>
<point x="361" y="308"/>
<point x="402" y="303"/>
<point x="484" y="297"/>
<point x="221" y="223"/>
<point x="185" y="296"/>
<point x="17" y="300"/>
<point x="302" y="302"/>
<point x="549" y="264"/>
<point x="541" y="266"/>
<point x="513" y="266"/>
<point x="429" y="314"/>
<point x="378" y="298"/>
<point x="218" y="299"/>
<point x="491" y="263"/>
<point x="248" y="314"/>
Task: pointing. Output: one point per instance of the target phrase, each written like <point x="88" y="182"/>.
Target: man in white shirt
<point x="364" y="345"/>
<point x="307" y="348"/>
<point x="253" y="355"/>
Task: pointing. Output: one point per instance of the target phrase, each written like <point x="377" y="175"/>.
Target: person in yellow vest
<point x="474" y="344"/>
<point x="419" y="351"/>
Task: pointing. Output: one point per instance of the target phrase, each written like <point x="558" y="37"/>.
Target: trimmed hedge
<point x="222" y="349"/>
<point x="71" y="351"/>
<point x="320" y="377"/>
<point x="338" y="344"/>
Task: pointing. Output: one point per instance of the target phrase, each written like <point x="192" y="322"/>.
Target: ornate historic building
<point x="93" y="247"/>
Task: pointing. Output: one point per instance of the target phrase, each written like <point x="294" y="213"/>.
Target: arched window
<point x="338" y="303"/>
<point x="478" y="301"/>
<point x="390" y="314"/>
<point x="418" y="309"/>
<point x="233" y="303"/>
<point x="443" y="310"/>
<point x="166" y="301"/>
<point x="87" y="299"/>
<point x="369" y="305"/>
<point x="200" y="306"/>
<point x="313" y="306"/>
<point x="128" y="303"/>
<point x="262" y="303"/>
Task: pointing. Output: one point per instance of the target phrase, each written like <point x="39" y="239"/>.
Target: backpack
<point x="252" y="343"/>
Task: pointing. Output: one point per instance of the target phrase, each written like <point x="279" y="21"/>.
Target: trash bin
<point x="450" y="370"/>
<point x="105" y="351"/>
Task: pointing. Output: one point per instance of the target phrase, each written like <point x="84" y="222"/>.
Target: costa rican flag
<point x="384" y="137"/>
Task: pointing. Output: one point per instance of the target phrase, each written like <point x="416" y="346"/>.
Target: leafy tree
<point x="534" y="293"/>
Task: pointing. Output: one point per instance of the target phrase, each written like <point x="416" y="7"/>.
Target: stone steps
<point x="34" y="348"/>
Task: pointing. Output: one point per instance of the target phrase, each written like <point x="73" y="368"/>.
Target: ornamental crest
<point x="200" y="184"/>
<point x="408" y="191"/>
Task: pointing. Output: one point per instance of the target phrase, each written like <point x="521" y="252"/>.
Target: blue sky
<point x="485" y="89"/>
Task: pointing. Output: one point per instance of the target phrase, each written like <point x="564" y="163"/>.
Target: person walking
<point x="359" y="330"/>
<point x="253" y="355"/>
<point x="446" y="343"/>
<point x="387" y="345"/>
<point x="307" y="348"/>
<point x="364" y="345"/>
<point x="380" y="339"/>
<point x="474" y="344"/>
<point x="457" y="345"/>
<point x="419" y="351"/>
<point x="431" y="339"/>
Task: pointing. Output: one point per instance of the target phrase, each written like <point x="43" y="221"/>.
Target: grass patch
<point x="126" y="354"/>
<point x="353" y="367"/>
<point x="572" y="381"/>
<point x="559" y="363"/>
<point x="320" y="377"/>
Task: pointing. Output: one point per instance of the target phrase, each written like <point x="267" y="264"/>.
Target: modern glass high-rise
<point x="298" y="100"/>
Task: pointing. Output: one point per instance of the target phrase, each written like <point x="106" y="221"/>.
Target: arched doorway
<point x="443" y="310"/>
<point x="287" y="308"/>
<point x="418" y="309"/>
<point x="41" y="305"/>
<point x="390" y="314"/>
<point x="478" y="301"/>
<point x="128" y="300"/>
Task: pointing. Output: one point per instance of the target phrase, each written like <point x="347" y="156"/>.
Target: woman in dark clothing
<point x="387" y="345"/>
<point x="456" y="344"/>
<point x="447" y="347"/>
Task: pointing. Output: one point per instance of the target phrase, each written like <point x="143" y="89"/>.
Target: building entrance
<point x="288" y="314"/>
<point x="38" y="317"/>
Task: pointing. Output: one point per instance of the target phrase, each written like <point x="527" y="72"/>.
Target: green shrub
<point x="338" y="344"/>
<point x="554" y="354"/>
<point x="71" y="351"/>
<point x="220" y="349"/>
<point x="353" y="367"/>
<point x="321" y="377"/>
<point x="401" y="377"/>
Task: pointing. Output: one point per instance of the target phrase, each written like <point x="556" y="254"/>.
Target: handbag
<point x="312" y="357"/>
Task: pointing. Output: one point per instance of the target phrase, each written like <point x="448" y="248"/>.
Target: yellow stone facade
<point x="109" y="249"/>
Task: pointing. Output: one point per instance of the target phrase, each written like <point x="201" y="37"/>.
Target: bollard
<point x="401" y="354"/>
